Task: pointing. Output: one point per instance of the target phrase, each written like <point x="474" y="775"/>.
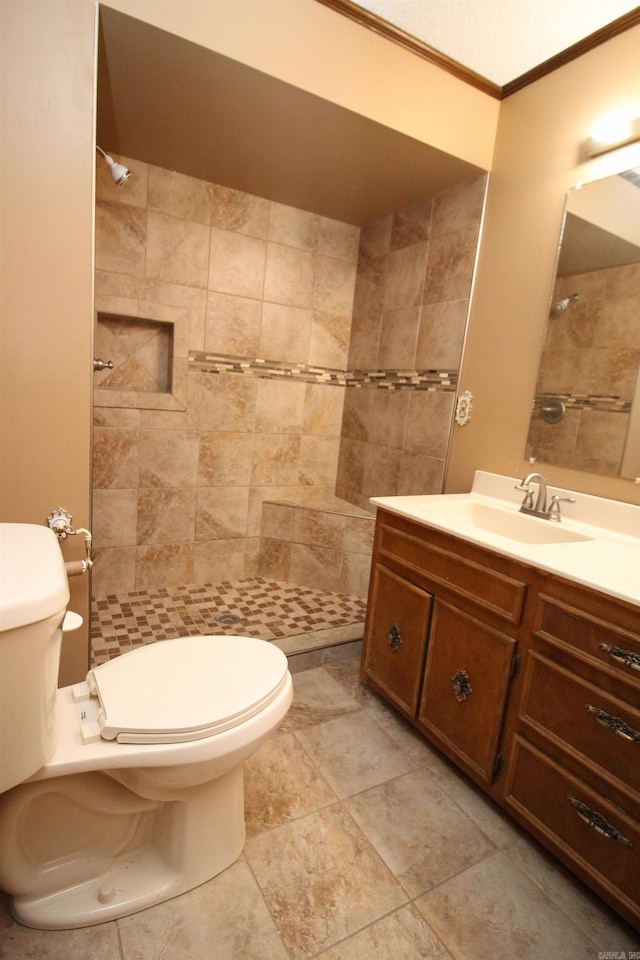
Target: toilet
<point x="125" y="790"/>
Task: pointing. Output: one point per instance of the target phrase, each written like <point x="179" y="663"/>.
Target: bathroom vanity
<point x="513" y="644"/>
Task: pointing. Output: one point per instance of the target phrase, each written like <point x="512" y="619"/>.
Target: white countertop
<point x="606" y="558"/>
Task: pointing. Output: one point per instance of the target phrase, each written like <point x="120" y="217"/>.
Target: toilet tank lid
<point x="33" y="579"/>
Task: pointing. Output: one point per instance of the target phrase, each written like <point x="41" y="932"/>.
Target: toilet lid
<point x="186" y="689"/>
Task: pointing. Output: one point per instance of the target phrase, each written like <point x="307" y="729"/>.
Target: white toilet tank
<point x="34" y="593"/>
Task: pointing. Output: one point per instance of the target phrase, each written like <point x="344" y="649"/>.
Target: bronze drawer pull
<point x="615" y="724"/>
<point x="461" y="685"/>
<point x="598" y="822"/>
<point x="394" y="637"/>
<point x="626" y="657"/>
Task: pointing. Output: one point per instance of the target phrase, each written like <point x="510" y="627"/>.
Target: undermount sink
<point x="467" y="515"/>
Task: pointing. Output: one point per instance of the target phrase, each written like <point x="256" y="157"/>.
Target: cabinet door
<point x="465" y="690"/>
<point x="396" y="636"/>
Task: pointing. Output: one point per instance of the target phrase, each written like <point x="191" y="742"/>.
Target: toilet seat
<point x="185" y="689"/>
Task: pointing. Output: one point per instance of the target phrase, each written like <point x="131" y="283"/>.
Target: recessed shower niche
<point x="143" y="366"/>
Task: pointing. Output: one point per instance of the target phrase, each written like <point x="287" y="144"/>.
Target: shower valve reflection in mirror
<point x="463" y="408"/>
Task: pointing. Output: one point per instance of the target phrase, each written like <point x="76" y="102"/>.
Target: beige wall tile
<point x="275" y="460"/>
<point x="430" y="415"/>
<point x="225" y="403"/>
<point x="233" y="325"/>
<point x="117" y="570"/>
<point x="318" y="528"/>
<point x="337" y="239"/>
<point x="115" y="518"/>
<point x="323" y="409"/>
<point x="329" y="340"/>
<point x="166" y="515"/>
<point x="179" y="195"/>
<point x="293" y="227"/>
<point x="398" y="339"/>
<point x="441" y="335"/>
<point x="225" y="459"/>
<point x="284" y="334"/>
<point x="240" y="212"/>
<point x="277" y="521"/>
<point x="177" y="250"/>
<point x="405" y="277"/>
<point x="450" y="266"/>
<point x="236" y="264"/>
<point x="289" y="276"/>
<point x="121" y="235"/>
<point x="174" y="560"/>
<point x="168" y="458"/>
<point x="222" y="517"/>
<point x="318" y="460"/>
<point x="115" y="457"/>
<point x="279" y="406"/>
<point x="215" y="561"/>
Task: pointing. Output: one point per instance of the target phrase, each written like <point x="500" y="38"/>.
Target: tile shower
<point x="304" y="364"/>
<point x="588" y="347"/>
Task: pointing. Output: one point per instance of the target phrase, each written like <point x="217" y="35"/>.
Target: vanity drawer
<point x="609" y="644"/>
<point x="567" y="709"/>
<point x="488" y="581"/>
<point x="584" y="829"/>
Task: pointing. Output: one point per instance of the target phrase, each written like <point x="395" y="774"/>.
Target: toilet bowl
<point x="140" y="795"/>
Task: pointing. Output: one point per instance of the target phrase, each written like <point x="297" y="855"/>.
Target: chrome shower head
<point x="562" y="305"/>
<point x="119" y="172"/>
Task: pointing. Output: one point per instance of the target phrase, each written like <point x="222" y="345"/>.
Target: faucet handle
<point x="527" y="503"/>
<point x="554" y="509"/>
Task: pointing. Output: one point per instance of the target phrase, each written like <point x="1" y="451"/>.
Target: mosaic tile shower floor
<point x="298" y="619"/>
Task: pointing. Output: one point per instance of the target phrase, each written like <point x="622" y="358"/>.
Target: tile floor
<point x="300" y="620"/>
<point x="362" y="842"/>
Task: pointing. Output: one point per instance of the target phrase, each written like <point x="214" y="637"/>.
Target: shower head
<point x="119" y="172"/>
<point x="561" y="305"/>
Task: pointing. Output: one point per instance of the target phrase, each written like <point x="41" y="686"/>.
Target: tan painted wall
<point x="306" y="44"/>
<point x="46" y="273"/>
<point x="536" y="161"/>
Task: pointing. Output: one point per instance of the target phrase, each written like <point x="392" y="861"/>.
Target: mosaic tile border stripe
<point x="585" y="401"/>
<point x="446" y="380"/>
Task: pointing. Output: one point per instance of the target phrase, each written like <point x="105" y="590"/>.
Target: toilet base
<point x="186" y="842"/>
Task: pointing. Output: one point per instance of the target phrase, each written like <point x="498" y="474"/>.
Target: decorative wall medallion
<point x="463" y="408"/>
<point x="461" y="686"/>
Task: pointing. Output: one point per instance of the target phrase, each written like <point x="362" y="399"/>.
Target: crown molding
<point x="390" y="32"/>
<point x="412" y="44"/>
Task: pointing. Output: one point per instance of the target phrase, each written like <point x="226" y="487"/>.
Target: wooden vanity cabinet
<point x="441" y="638"/>
<point x="573" y="776"/>
<point x="530" y="683"/>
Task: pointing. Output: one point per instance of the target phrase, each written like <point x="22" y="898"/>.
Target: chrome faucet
<point x="540" y="508"/>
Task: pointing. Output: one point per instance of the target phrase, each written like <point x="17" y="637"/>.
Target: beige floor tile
<point x="403" y="935"/>
<point x="582" y="906"/>
<point x="281" y="783"/>
<point x="321" y="879"/>
<point x="420" y="833"/>
<point x="317" y="697"/>
<point x="353" y="753"/>
<point x="22" y="943"/>
<point x="494" y="910"/>
<point x="499" y="827"/>
<point x="224" y="919"/>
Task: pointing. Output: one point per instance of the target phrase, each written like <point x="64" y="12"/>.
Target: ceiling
<point x="172" y="103"/>
<point x="177" y="105"/>
<point x="499" y="40"/>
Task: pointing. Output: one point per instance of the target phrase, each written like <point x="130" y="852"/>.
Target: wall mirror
<point x="586" y="408"/>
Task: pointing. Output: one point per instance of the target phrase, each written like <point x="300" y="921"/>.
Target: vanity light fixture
<point x="610" y="133"/>
<point x="119" y="172"/>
